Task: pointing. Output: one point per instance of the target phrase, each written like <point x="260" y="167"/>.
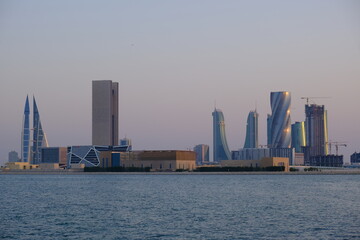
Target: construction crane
<point x="337" y="145"/>
<point x="307" y="99"/>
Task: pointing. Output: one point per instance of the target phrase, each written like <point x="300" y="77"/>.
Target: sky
<point x="175" y="61"/>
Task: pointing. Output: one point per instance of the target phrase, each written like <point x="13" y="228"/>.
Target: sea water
<point x="119" y="206"/>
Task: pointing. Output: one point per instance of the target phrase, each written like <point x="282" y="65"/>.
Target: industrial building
<point x="165" y="160"/>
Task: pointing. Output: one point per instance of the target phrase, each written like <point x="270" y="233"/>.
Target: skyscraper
<point x="221" y="149"/>
<point x="25" y="133"/>
<point x="251" y="140"/>
<point x="105" y="113"/>
<point x="39" y="137"/>
<point x="316" y="130"/>
<point x="202" y="153"/>
<point x="298" y="138"/>
<point x="279" y="122"/>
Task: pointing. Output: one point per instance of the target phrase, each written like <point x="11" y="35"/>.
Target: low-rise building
<point x="262" y="163"/>
<point x="92" y="156"/>
<point x="299" y="159"/>
<point x="355" y="158"/>
<point x="20" y="166"/>
<point x="259" y="153"/>
<point x="327" y="161"/>
<point x="53" y="155"/>
<point x="165" y="160"/>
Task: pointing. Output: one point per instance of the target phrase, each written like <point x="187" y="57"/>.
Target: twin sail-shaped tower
<point x="29" y="153"/>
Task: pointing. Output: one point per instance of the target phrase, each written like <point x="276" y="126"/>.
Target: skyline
<point x="172" y="61"/>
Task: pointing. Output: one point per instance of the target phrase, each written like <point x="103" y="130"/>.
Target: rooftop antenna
<point x="215" y="104"/>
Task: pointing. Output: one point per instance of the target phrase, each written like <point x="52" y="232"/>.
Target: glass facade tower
<point x="39" y="138"/>
<point x="298" y="138"/>
<point x="251" y="140"/>
<point x="221" y="149"/>
<point x="25" y="133"/>
<point x="279" y="122"/>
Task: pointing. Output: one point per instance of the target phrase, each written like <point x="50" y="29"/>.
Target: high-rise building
<point x="105" y="112"/>
<point x="279" y="122"/>
<point x="316" y="130"/>
<point x="298" y="139"/>
<point x="251" y="140"/>
<point x="25" y="133"/>
<point x="13" y="156"/>
<point x="39" y="137"/>
<point x="202" y="153"/>
<point x="221" y="149"/>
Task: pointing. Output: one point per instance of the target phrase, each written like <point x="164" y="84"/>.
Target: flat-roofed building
<point x="54" y="155"/>
<point x="202" y="153"/>
<point x="259" y="153"/>
<point x="355" y="158"/>
<point x="262" y="163"/>
<point x="92" y="156"/>
<point x="299" y="159"/>
<point x="105" y="113"/>
<point x="20" y="166"/>
<point x="162" y="160"/>
<point x="14" y="156"/>
<point x="327" y="161"/>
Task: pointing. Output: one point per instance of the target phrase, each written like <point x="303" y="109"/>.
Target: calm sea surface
<point x="180" y="207"/>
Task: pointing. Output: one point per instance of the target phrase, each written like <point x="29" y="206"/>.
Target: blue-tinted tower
<point x="25" y="133"/>
<point x="279" y="122"/>
<point x="39" y="138"/>
<point x="251" y="140"/>
<point x="221" y="149"/>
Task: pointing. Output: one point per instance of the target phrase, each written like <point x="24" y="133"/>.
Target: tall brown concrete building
<point x="316" y="129"/>
<point x="105" y="112"/>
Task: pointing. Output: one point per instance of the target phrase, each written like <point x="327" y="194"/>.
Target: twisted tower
<point x="279" y="122"/>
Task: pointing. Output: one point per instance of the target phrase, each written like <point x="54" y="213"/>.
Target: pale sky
<point x="173" y="60"/>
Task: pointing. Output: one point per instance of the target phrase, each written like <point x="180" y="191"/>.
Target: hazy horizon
<point x="173" y="60"/>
